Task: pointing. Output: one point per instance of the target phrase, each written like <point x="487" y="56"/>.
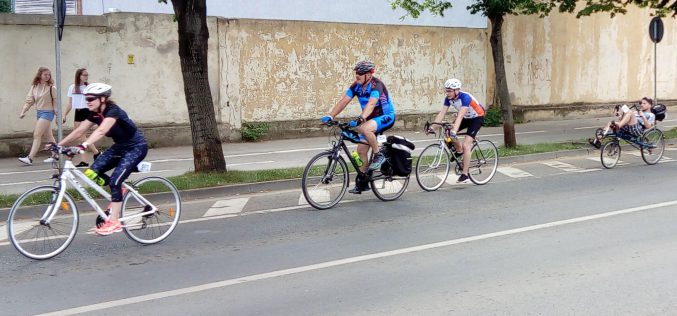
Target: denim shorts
<point x="46" y="115"/>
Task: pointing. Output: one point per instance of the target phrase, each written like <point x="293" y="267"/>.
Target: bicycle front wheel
<point x="432" y="167"/>
<point x="152" y="227"/>
<point x="652" y="153"/>
<point x="325" y="181"/>
<point x="483" y="162"/>
<point x="611" y="153"/>
<point x="31" y="231"/>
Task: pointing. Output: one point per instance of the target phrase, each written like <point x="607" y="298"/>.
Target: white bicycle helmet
<point x="100" y="89"/>
<point x="452" y="83"/>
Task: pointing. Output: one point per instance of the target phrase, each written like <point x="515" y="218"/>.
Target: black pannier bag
<point x="659" y="110"/>
<point x="399" y="152"/>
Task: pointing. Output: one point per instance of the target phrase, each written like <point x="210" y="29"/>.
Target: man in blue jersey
<point x="378" y="115"/>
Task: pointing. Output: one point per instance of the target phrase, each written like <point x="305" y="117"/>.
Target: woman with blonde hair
<point x="42" y="95"/>
<point x="76" y="100"/>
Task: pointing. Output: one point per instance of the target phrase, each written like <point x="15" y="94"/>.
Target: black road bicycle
<point x="326" y="177"/>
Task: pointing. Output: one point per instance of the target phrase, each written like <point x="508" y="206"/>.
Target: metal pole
<point x="655" y="74"/>
<point x="57" y="82"/>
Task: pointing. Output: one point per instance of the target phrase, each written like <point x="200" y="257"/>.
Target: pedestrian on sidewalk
<point x="42" y="95"/>
<point x="76" y="100"/>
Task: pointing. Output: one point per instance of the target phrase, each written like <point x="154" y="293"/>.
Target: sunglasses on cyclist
<point x="90" y="99"/>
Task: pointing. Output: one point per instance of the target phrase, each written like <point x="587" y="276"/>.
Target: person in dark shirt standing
<point x="128" y="150"/>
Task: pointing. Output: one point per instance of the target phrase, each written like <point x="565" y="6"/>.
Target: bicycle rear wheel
<point x="154" y="227"/>
<point x="432" y="167"/>
<point x="610" y="154"/>
<point x="483" y="162"/>
<point x="389" y="188"/>
<point x="325" y="181"/>
<point x="28" y="229"/>
<point x="654" y="152"/>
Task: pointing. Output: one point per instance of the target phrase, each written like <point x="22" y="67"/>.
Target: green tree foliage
<point x="5" y="6"/>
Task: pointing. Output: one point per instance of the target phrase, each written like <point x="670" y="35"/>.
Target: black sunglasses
<point x="90" y="99"/>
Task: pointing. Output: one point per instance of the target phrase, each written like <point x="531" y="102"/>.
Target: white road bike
<point x="44" y="220"/>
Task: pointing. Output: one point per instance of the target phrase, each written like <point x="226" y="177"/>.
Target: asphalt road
<point x="569" y="239"/>
<point x="170" y="161"/>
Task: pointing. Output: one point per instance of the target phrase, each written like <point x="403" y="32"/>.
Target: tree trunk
<point x="501" y="82"/>
<point x="191" y="16"/>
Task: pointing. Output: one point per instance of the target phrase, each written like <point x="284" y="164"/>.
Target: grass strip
<point x="192" y="180"/>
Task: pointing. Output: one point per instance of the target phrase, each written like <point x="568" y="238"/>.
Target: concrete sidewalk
<point x="170" y="161"/>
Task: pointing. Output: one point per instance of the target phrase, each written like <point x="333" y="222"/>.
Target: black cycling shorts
<point x="473" y="125"/>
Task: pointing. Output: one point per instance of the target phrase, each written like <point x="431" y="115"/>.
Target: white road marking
<point x="19" y="228"/>
<point x="567" y="167"/>
<point x="49" y="180"/>
<point x="620" y="162"/>
<point x="202" y="219"/>
<point x="346" y="261"/>
<point x="24" y="172"/>
<point x="639" y="154"/>
<point x="25" y="182"/>
<point x="514" y="172"/>
<point x="223" y="207"/>
<point x="250" y="163"/>
<point x="519" y="133"/>
<point x="317" y="195"/>
<point x="168" y="160"/>
<point x="452" y="178"/>
<point x="587" y="127"/>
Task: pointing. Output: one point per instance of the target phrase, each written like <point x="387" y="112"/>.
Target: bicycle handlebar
<point x="342" y="126"/>
<point x="68" y="151"/>
<point x="447" y="128"/>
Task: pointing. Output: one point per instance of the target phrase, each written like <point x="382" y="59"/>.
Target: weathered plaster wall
<point x="562" y="60"/>
<point x="299" y="70"/>
<point x="26" y="43"/>
<point x="290" y="73"/>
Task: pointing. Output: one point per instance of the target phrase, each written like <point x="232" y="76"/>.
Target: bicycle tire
<point x="432" y="167"/>
<point x="652" y="154"/>
<point x="325" y="193"/>
<point x="155" y="227"/>
<point x="26" y="220"/>
<point x="483" y="162"/>
<point x="610" y="154"/>
<point x="389" y="188"/>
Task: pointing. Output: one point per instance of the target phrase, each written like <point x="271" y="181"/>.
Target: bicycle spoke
<point x="33" y="239"/>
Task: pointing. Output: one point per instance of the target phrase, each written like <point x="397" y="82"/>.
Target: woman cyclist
<point x="128" y="150"/>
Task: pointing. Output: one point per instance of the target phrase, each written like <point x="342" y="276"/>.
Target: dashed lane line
<point x="514" y="172"/>
<point x="567" y="167"/>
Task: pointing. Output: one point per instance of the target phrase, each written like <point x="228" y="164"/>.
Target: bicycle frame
<point x="336" y="152"/>
<point x="632" y="141"/>
<point x="71" y="175"/>
<point x="440" y="140"/>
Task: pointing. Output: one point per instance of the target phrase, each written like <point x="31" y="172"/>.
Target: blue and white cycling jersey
<point x="374" y="89"/>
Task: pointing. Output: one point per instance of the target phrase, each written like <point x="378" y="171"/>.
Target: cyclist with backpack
<point x="378" y="115"/>
<point x="470" y="115"/>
